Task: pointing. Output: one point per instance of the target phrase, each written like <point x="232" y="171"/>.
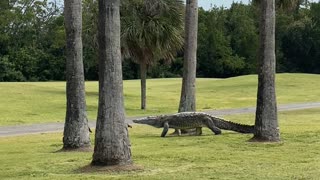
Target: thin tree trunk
<point x="266" y="123"/>
<point x="188" y="97"/>
<point x="188" y="90"/>
<point x="143" y="77"/>
<point x="112" y="145"/>
<point x="76" y="130"/>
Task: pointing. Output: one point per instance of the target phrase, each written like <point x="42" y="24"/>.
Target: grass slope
<point x="39" y="102"/>
<point x="228" y="156"/>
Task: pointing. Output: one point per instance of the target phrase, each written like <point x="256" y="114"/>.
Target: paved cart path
<point x="19" y="130"/>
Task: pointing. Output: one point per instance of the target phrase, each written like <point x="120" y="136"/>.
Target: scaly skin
<point x="191" y="120"/>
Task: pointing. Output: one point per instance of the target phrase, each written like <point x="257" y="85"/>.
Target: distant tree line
<point x="32" y="42"/>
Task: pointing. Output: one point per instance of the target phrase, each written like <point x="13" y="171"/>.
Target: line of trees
<point x="112" y="145"/>
<point x="32" y="37"/>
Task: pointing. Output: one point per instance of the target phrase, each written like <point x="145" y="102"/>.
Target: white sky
<point x="207" y="4"/>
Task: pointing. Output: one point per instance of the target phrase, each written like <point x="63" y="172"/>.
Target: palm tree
<point x="266" y="122"/>
<point x="76" y="130"/>
<point x="266" y="125"/>
<point x="112" y="144"/>
<point x="188" y="90"/>
<point x="151" y="30"/>
<point x="188" y="97"/>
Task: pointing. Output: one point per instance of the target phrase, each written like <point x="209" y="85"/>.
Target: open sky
<point x="207" y="4"/>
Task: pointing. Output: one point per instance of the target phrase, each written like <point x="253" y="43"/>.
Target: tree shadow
<point x="92" y="93"/>
<point x="52" y="91"/>
<point x="71" y="150"/>
<point x="60" y="92"/>
<point x="109" y="169"/>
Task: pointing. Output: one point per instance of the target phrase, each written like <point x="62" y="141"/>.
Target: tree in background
<point x="285" y="5"/>
<point x="300" y="43"/>
<point x="112" y="145"/>
<point x="90" y="35"/>
<point x="32" y="41"/>
<point x="266" y="123"/>
<point x="289" y="5"/>
<point x="76" y="130"/>
<point x="151" y="30"/>
<point x="216" y="58"/>
<point x="244" y="40"/>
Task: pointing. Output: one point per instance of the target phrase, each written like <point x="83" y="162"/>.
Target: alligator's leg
<point x="179" y="132"/>
<point x="198" y="131"/>
<point x="165" y="129"/>
<point x="212" y="127"/>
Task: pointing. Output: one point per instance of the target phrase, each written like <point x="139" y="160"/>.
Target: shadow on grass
<point x="83" y="149"/>
<point x="92" y="93"/>
<point x="109" y="169"/>
<point x="62" y="91"/>
<point x="152" y="136"/>
<point x="52" y="91"/>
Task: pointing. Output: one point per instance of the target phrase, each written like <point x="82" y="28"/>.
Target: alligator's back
<point x="190" y="120"/>
<point x="187" y="120"/>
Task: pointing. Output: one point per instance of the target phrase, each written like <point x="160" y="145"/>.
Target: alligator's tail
<point x="232" y="126"/>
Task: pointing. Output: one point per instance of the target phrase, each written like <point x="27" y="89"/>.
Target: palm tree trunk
<point x="266" y="123"/>
<point x="112" y="145"/>
<point x="188" y="90"/>
<point x="188" y="97"/>
<point x="143" y="77"/>
<point x="76" y="130"/>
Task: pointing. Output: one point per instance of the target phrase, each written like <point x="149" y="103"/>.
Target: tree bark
<point x="76" y="129"/>
<point x="112" y="145"/>
<point x="143" y="77"/>
<point x="188" y="90"/>
<point x="188" y="97"/>
<point x="266" y="123"/>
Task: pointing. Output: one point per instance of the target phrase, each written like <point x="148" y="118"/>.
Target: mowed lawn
<point x="227" y="156"/>
<point x="40" y="102"/>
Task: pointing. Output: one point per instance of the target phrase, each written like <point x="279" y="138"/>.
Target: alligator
<point x="193" y="120"/>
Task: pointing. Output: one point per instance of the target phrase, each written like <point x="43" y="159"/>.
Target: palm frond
<point x="152" y="30"/>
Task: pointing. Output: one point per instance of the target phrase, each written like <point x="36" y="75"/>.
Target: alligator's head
<point x="155" y="121"/>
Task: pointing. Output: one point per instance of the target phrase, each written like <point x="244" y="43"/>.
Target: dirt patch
<point x="259" y="140"/>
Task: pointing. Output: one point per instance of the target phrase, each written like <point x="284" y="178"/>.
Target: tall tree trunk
<point x="76" y="130"/>
<point x="112" y="145"/>
<point x="188" y="97"/>
<point x="188" y="90"/>
<point x="266" y="123"/>
<point x="143" y="77"/>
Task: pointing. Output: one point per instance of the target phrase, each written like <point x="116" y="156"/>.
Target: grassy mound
<point x="25" y="103"/>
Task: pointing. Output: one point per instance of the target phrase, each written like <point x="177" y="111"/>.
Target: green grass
<point x="39" y="102"/>
<point x="228" y="156"/>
